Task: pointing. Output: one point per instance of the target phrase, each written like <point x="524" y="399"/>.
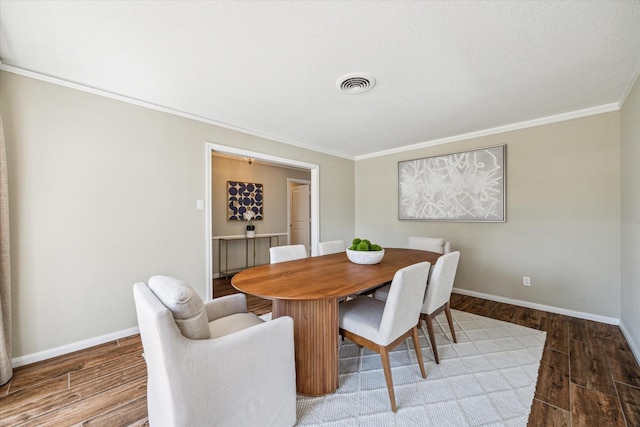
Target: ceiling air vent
<point x="353" y="84"/>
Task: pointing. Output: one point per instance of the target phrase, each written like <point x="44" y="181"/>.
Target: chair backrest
<point x="431" y="244"/>
<point x="441" y="282"/>
<point x="331" y="247"/>
<point x="286" y="253"/>
<point x="402" y="307"/>
<point x="160" y="335"/>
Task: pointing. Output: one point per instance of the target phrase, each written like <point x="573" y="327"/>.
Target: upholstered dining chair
<point x="286" y="253"/>
<point x="438" y="295"/>
<point x="212" y="363"/>
<point x="331" y="247"/>
<point x="381" y="326"/>
<point x="431" y="244"/>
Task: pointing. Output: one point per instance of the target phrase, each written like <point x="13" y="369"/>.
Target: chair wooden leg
<point x="416" y="346"/>
<point x="447" y="311"/>
<point x="386" y="365"/>
<point x="432" y="337"/>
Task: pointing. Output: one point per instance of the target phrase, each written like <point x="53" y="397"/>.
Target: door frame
<point x="314" y="169"/>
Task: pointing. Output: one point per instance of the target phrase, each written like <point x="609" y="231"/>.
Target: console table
<point x="227" y="239"/>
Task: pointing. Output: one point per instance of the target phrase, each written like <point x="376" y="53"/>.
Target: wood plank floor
<point x="588" y="375"/>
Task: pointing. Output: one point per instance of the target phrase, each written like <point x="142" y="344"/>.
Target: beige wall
<point x="630" y="247"/>
<point x="274" y="179"/>
<point x="103" y="194"/>
<point x="563" y="216"/>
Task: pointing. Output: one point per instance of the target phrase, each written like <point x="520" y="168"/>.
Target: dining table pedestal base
<point x="315" y="330"/>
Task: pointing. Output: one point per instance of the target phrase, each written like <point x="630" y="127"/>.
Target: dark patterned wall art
<point x="244" y="197"/>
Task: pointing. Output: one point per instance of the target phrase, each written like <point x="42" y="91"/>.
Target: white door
<point x="300" y="227"/>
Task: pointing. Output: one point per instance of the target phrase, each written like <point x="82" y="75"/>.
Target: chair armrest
<point x="225" y="306"/>
<point x="240" y="377"/>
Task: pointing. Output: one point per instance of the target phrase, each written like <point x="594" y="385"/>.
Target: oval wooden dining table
<point x="308" y="290"/>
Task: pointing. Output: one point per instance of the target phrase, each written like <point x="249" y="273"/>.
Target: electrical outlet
<point x="526" y="281"/>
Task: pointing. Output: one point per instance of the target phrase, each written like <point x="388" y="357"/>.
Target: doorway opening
<point x="314" y="171"/>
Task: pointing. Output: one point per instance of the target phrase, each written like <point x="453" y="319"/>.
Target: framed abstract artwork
<point x="244" y="197"/>
<point x="467" y="186"/>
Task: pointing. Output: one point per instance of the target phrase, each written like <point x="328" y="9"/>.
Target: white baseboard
<point x="549" y="308"/>
<point x="632" y="343"/>
<point x="69" y="348"/>
<point x="91" y="342"/>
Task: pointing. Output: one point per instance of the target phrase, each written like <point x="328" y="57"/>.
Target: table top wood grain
<point x="325" y="277"/>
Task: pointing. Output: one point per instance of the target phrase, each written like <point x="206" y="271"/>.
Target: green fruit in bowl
<point x="364" y="245"/>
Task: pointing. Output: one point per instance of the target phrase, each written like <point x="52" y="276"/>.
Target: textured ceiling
<point x="443" y="69"/>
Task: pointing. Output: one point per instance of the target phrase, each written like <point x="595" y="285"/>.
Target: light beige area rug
<point x="487" y="379"/>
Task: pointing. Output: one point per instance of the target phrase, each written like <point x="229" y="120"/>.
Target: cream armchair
<point x="233" y="370"/>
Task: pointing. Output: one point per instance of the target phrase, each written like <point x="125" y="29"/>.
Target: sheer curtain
<point x="6" y="371"/>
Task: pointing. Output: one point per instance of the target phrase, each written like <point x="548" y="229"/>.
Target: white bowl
<point x="365" y="257"/>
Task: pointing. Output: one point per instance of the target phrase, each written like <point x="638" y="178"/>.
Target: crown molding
<point x="629" y="87"/>
<point x="157" y="107"/>
<point x="500" y="129"/>
<point x="477" y="134"/>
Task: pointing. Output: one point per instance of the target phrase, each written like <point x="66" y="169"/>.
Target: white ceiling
<point x="443" y="69"/>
